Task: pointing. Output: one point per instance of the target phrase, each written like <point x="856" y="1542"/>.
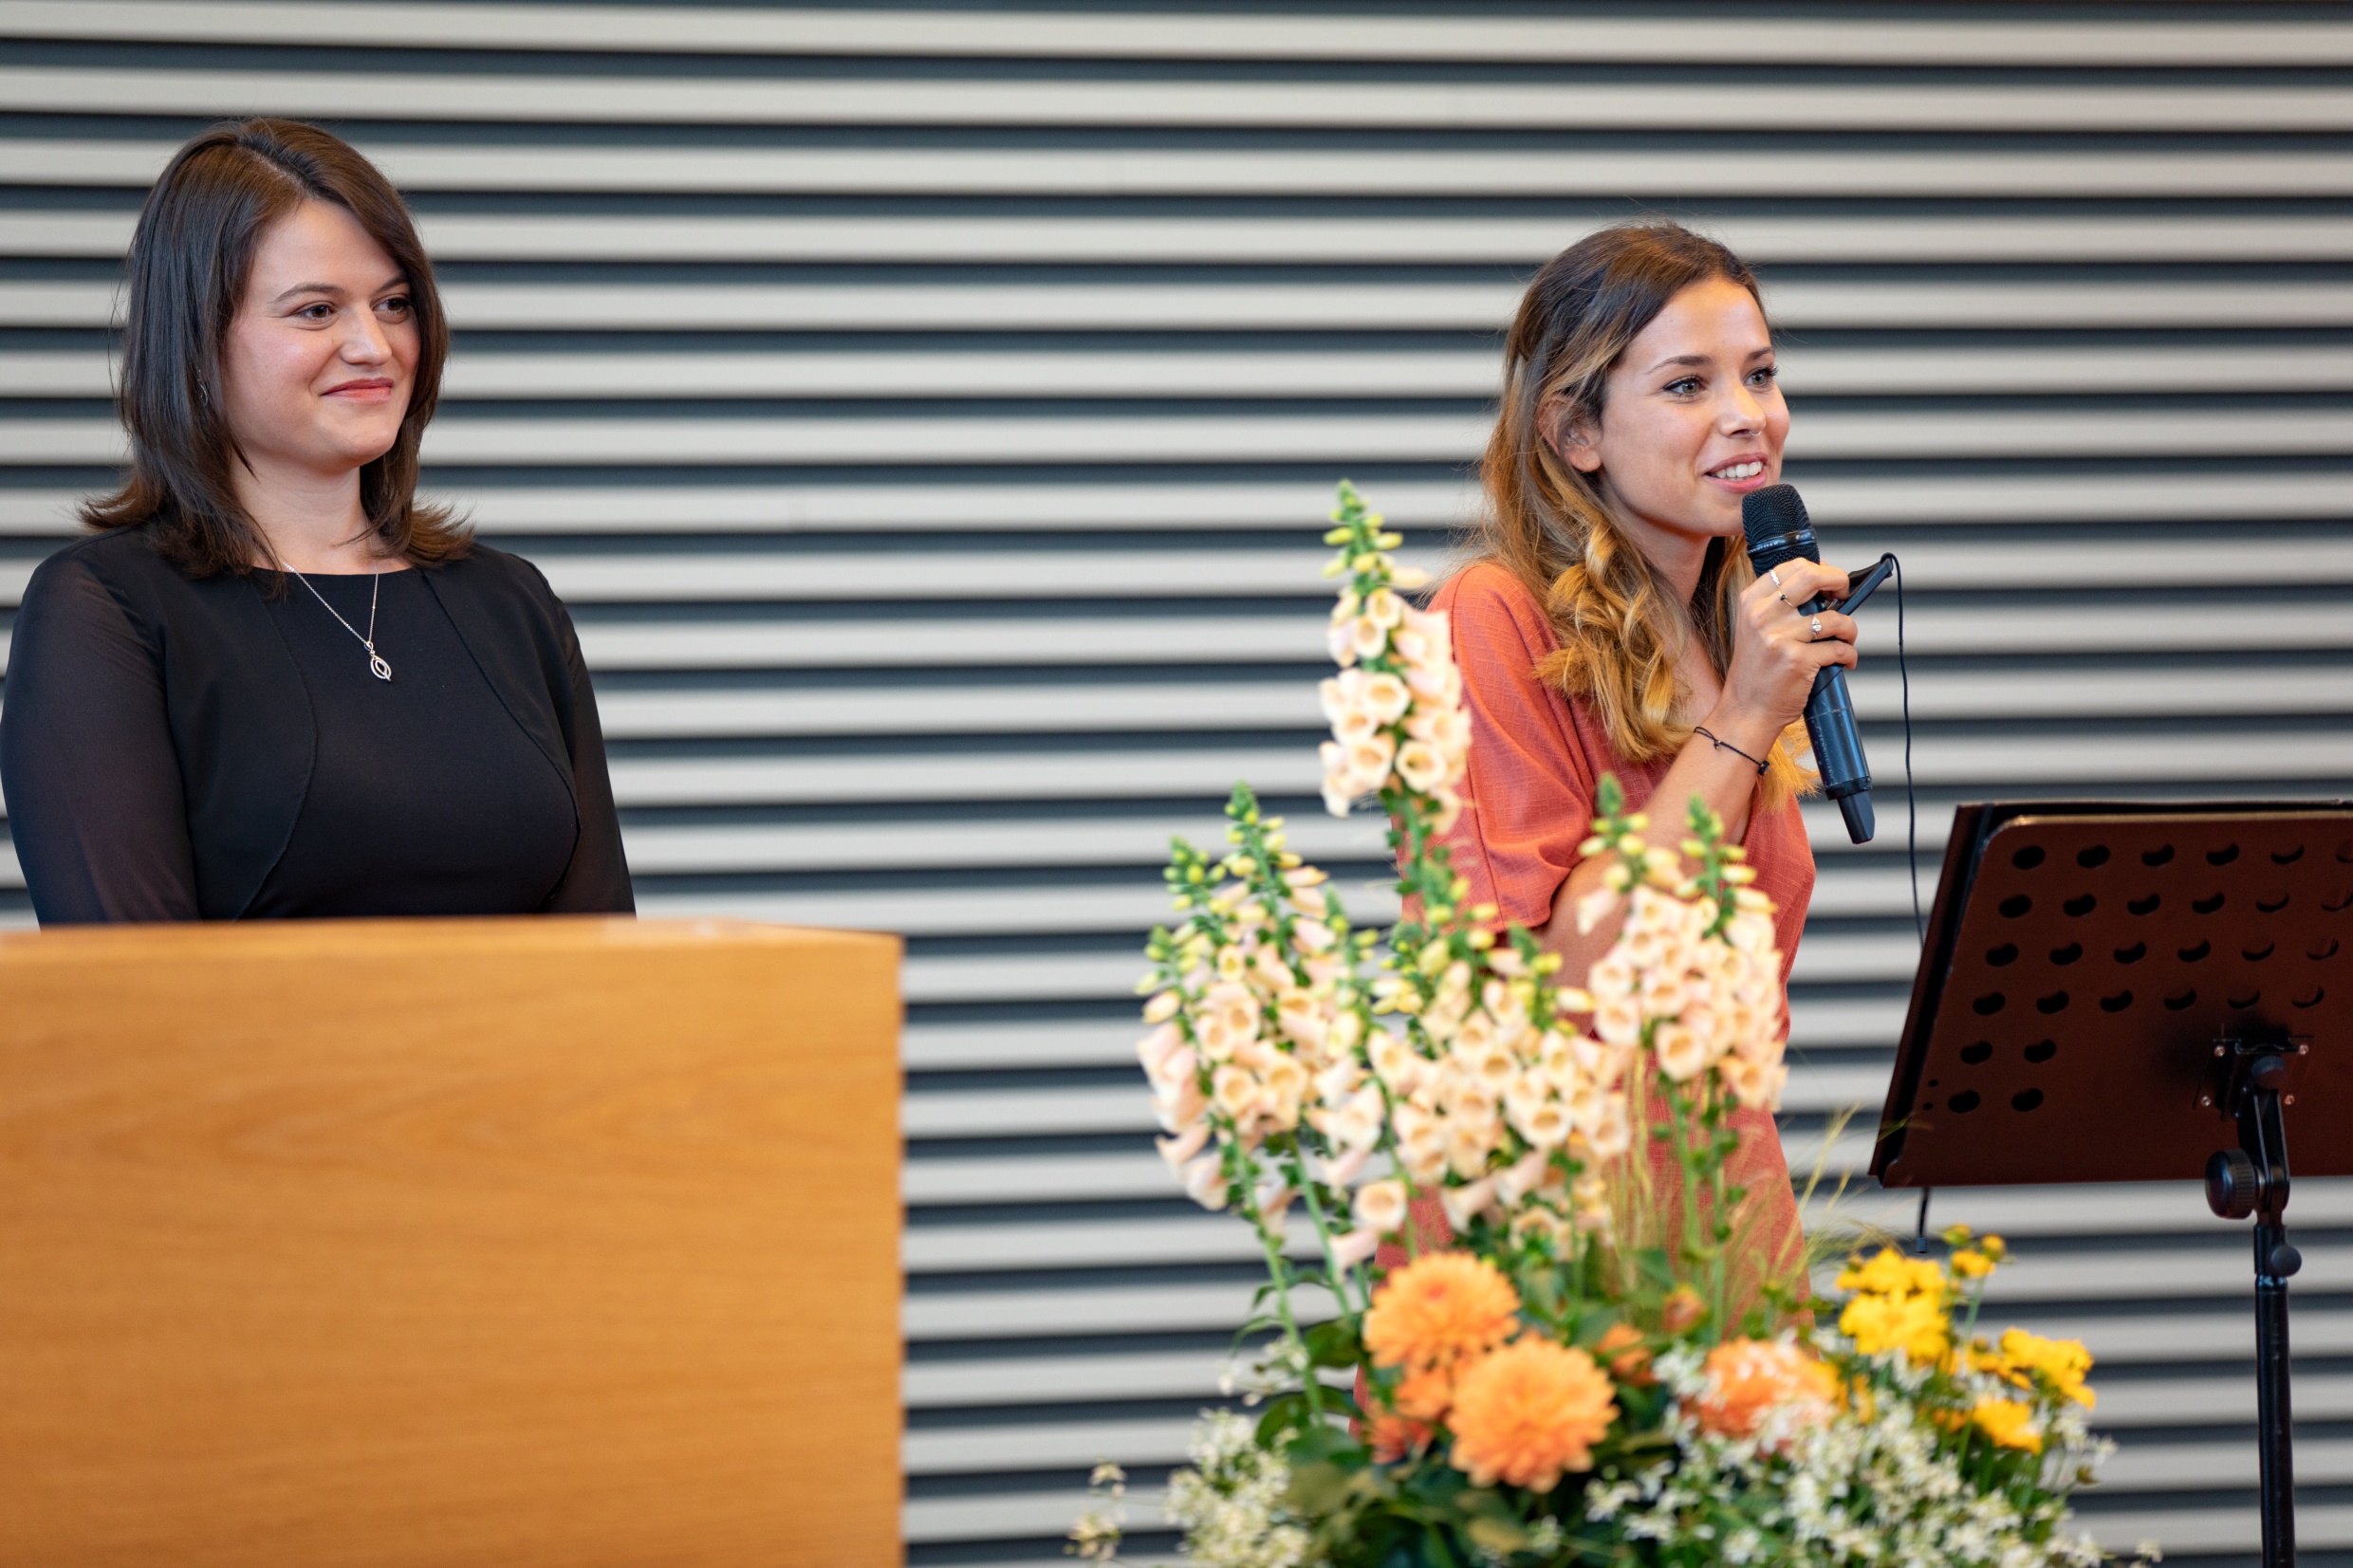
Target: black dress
<point x="179" y="748"/>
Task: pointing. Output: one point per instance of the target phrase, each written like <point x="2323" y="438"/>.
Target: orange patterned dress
<point x="1536" y="759"/>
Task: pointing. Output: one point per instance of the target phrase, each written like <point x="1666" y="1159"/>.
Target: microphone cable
<point x="1911" y="798"/>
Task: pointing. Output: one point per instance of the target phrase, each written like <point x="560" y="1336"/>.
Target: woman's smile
<point x="367" y="388"/>
<point x="1742" y="474"/>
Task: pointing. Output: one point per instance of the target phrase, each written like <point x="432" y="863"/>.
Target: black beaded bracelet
<point x="1727" y="745"/>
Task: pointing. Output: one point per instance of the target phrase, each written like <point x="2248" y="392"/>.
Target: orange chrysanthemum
<point x="1749" y="1378"/>
<point x="1424" y="1395"/>
<point x="1439" y="1309"/>
<point x="1529" y="1412"/>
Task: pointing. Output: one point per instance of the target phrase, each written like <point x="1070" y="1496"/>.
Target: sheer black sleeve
<point x="598" y="880"/>
<point x="94" y="794"/>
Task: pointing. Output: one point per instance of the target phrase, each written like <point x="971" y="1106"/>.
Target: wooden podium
<point x="424" y="1244"/>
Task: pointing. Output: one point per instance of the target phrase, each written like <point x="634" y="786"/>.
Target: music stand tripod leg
<point x="2253" y="1179"/>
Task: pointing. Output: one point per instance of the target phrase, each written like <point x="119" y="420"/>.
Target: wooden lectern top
<point x="405" y="1243"/>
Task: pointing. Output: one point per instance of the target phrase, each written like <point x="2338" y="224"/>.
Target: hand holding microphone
<point x="1799" y="648"/>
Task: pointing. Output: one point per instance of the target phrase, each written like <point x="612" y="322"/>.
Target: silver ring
<point x="1774" y="573"/>
<point x="1817" y="625"/>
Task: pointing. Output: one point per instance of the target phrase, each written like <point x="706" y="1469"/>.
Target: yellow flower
<point x="2008" y="1423"/>
<point x="1439" y="1309"/>
<point x="1915" y="1324"/>
<point x="1890" y="1273"/>
<point x="1972" y="1264"/>
<point x="1529" y="1412"/>
<point x="2062" y="1362"/>
<point x="1899" y="1303"/>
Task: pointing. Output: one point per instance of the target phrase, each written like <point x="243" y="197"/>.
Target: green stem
<point x="1296" y="1168"/>
<point x="1270" y="1238"/>
<point x="1721" y="1200"/>
<point x="1690" y="1216"/>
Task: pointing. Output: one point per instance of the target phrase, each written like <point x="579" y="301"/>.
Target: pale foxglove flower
<point x="1181" y="1107"/>
<point x="1756" y="1085"/>
<point x="1468" y="1201"/>
<point x="1682" y="1053"/>
<point x="1181" y="1148"/>
<point x="1385" y="609"/>
<point x="1344" y="1170"/>
<point x="1355" y="1247"/>
<point x="1614" y="1134"/>
<point x="1381" y="1206"/>
<point x="1205" y="1182"/>
<point x="1420" y="766"/>
<point x="1526" y="1175"/>
<point x="1234" y="1090"/>
<point x="1619" y="1020"/>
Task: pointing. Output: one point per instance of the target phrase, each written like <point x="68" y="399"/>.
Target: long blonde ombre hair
<point x="1619" y="629"/>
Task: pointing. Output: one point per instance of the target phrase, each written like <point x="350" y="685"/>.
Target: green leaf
<point x="1334" y="1344"/>
<point x="1285" y="1413"/>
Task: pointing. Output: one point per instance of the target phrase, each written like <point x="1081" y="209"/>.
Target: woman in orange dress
<point x="1610" y="623"/>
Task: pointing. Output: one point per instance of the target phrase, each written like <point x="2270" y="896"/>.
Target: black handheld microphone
<point x="1774" y="520"/>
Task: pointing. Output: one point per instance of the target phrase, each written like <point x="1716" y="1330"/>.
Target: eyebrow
<point x="1703" y="359"/>
<point x="337" y="290"/>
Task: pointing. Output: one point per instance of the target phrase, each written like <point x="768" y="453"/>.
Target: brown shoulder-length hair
<point x="1547" y="523"/>
<point x="190" y="260"/>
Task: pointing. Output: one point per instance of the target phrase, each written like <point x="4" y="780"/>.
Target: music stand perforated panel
<point x="2084" y="959"/>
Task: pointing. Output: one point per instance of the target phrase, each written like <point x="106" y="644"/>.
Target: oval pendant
<point x="378" y="668"/>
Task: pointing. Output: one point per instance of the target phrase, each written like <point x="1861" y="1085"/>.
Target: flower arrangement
<point x="1588" y="1362"/>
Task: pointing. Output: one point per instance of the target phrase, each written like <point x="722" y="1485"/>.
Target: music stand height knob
<point x="2232" y="1186"/>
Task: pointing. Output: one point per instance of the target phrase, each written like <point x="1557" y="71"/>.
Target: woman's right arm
<point x="93" y="780"/>
<point x="1775" y="658"/>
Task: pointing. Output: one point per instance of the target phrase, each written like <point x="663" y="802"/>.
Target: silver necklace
<point x="377" y="665"/>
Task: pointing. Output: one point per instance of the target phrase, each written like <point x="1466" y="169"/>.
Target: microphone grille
<point x="1770" y="513"/>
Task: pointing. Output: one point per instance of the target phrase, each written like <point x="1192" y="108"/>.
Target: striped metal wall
<point x="929" y="415"/>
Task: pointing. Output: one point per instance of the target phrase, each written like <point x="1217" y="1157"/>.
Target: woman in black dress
<point x="273" y="684"/>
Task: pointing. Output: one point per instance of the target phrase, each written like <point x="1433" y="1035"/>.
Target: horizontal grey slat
<point x="2243" y="560"/>
<point x="1601" y="171"/>
<point x="1273" y="306"/>
<point x="1405" y="102"/>
<point x="2227" y="624"/>
<point x="1909" y="371"/>
<point x="1250" y="705"/>
<point x="895" y="505"/>
<point x="636" y="714"/>
<point x="1127" y="1243"/>
<point x="1884" y="432"/>
<point x="2222" y="624"/>
<point x="1211" y="237"/>
<point x="1033" y="907"/>
<point x="1841" y="890"/>
<point x="1024" y="911"/>
<point x="1117" y="1108"/>
<point x="2149" y="493"/>
<point x="2238" y="561"/>
<point x="1159" y="1307"/>
<point x="1243" y="36"/>
<point x="2220" y="755"/>
<point x="1817" y="1024"/>
<point x="1062" y="839"/>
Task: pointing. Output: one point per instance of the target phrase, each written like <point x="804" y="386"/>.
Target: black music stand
<point x="2134" y="991"/>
